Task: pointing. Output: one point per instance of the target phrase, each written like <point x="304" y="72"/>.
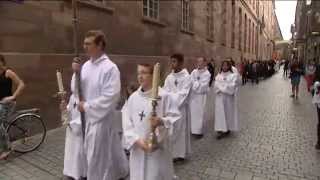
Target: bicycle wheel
<point x="26" y="132"/>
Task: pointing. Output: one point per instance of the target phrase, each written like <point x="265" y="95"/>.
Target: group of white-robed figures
<point x="98" y="153"/>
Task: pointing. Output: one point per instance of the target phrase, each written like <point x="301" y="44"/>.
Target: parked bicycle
<point x="25" y="128"/>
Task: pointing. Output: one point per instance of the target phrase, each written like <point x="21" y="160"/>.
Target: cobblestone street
<point x="276" y="141"/>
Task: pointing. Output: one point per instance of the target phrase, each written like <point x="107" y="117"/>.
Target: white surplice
<point x="225" y="87"/>
<point x="316" y="95"/>
<point x="179" y="85"/>
<point x="100" y="82"/>
<point x="74" y="158"/>
<point x="198" y="97"/>
<point x="156" y="165"/>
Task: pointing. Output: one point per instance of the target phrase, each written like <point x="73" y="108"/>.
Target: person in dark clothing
<point x="285" y="68"/>
<point x="255" y="72"/>
<point x="246" y="72"/>
<point x="211" y="69"/>
<point x="8" y="78"/>
<point x="242" y="71"/>
<point x="296" y="71"/>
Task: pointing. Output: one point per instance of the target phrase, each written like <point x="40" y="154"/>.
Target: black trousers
<point x="285" y="72"/>
<point x="318" y="127"/>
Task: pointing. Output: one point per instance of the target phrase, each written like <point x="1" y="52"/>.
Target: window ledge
<point x="97" y="6"/>
<point x="187" y="32"/>
<point x="156" y="22"/>
<point x="210" y="39"/>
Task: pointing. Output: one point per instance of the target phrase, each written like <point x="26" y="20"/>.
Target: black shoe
<point x="227" y="133"/>
<point x="220" y="135"/>
<point x="69" y="178"/>
<point x="178" y="160"/>
<point x="292" y="96"/>
<point x="197" y="136"/>
<point x="318" y="146"/>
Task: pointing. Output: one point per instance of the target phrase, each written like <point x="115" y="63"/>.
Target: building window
<point x="151" y="9"/>
<point x="257" y="7"/>
<point x="240" y="29"/>
<point x="245" y="32"/>
<point x="186" y="18"/>
<point x="224" y="23"/>
<point x="256" y="47"/>
<point x="233" y="21"/>
<point x="209" y="14"/>
<point x="254" y="4"/>
<point x="249" y="36"/>
<point x="252" y="40"/>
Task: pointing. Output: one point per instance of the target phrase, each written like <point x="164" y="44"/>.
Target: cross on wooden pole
<point x="76" y="53"/>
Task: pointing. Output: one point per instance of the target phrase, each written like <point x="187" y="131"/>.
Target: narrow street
<point x="276" y="142"/>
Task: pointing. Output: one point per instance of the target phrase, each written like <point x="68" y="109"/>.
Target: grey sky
<point x="285" y="10"/>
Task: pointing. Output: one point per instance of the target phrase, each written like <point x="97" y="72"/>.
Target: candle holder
<point x="62" y="95"/>
<point x="152" y="139"/>
<point x="64" y="112"/>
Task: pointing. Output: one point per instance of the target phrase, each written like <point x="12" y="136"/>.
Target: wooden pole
<point x="76" y="53"/>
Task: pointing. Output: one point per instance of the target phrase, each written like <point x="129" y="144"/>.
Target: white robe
<point x="225" y="116"/>
<point x="124" y="124"/>
<point x="198" y="98"/>
<point x="157" y="165"/>
<point x="74" y="158"/>
<point x="100" y="81"/>
<point x="179" y="85"/>
<point x="316" y="96"/>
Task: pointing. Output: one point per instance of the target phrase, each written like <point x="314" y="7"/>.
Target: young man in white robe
<point x="225" y="86"/>
<point x="147" y="163"/>
<point x="100" y="83"/>
<point x="178" y="83"/>
<point x="198" y="97"/>
<point x="74" y="158"/>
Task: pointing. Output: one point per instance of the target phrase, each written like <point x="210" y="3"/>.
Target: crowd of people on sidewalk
<point x="256" y="70"/>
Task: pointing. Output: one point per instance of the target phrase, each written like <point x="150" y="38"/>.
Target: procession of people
<point x="157" y="123"/>
<point x="156" y="132"/>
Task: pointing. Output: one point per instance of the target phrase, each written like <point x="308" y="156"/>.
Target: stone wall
<point x="36" y="38"/>
<point x="39" y="73"/>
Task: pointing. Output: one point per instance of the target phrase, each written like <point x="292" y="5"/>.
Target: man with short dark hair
<point x="178" y="83"/>
<point x="100" y="84"/>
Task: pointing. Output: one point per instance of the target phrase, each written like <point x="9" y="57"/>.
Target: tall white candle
<point x="155" y="80"/>
<point x="60" y="83"/>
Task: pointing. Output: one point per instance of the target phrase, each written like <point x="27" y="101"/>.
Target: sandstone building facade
<point x="36" y="36"/>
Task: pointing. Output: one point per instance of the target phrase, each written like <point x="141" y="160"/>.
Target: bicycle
<point x="25" y="128"/>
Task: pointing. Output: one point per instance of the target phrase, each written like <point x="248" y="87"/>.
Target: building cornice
<point x="254" y="15"/>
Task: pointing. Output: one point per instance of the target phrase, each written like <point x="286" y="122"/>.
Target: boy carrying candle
<point x="149" y="160"/>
